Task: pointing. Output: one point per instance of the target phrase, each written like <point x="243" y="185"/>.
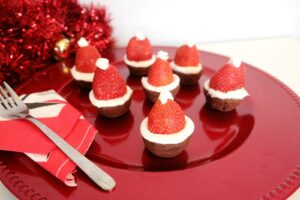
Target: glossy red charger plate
<point x="249" y="153"/>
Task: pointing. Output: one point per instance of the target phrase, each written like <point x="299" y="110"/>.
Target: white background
<point x="172" y="22"/>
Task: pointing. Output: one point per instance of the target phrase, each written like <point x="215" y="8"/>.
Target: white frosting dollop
<point x="164" y="96"/>
<point x="140" y="35"/>
<point x="159" y="89"/>
<point x="82" y="42"/>
<point x="162" y="55"/>
<point x="190" y="44"/>
<point x="140" y="64"/>
<point x="80" y="76"/>
<point x="186" y="69"/>
<point x="173" y="138"/>
<point x="234" y="94"/>
<point x="235" y="62"/>
<point x="102" y="63"/>
<point x="110" y="102"/>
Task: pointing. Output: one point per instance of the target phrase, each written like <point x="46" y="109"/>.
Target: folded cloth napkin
<point x="22" y="136"/>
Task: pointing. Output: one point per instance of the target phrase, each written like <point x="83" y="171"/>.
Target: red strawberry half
<point x="108" y="84"/>
<point x="228" y="78"/>
<point x="139" y="50"/>
<point x="187" y="56"/>
<point x="86" y="58"/>
<point x="166" y="118"/>
<point x="160" y="73"/>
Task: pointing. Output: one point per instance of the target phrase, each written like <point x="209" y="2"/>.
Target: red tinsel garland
<point x="30" y="29"/>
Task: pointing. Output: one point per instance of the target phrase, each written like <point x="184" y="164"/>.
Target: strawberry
<point x="139" y="50"/>
<point x="108" y="84"/>
<point x="166" y="118"/>
<point x="187" y="56"/>
<point x="160" y="73"/>
<point x="86" y="58"/>
<point x="228" y="78"/>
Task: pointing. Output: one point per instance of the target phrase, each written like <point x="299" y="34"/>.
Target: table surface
<point x="279" y="57"/>
<point x="5" y="194"/>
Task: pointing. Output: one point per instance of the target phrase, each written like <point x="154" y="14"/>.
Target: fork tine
<point x="9" y="99"/>
<point x="12" y="93"/>
<point x="2" y="107"/>
<point x="3" y="102"/>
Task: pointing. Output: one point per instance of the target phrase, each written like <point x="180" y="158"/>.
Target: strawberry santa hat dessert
<point x="187" y="64"/>
<point x="110" y="94"/>
<point x="85" y="60"/>
<point x="166" y="131"/>
<point x="139" y="54"/>
<point x="225" y="90"/>
<point x="160" y="77"/>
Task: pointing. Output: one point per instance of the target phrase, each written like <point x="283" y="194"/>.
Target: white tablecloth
<point x="5" y="194"/>
<point x="279" y="57"/>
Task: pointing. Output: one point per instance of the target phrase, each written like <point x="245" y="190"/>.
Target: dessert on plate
<point x="225" y="90"/>
<point x="85" y="63"/>
<point x="139" y="54"/>
<point x="186" y="64"/>
<point x="160" y="77"/>
<point x="167" y="130"/>
<point x="109" y="93"/>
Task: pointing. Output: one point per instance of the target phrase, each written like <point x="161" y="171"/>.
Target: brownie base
<point x="224" y="105"/>
<point x="84" y="84"/>
<point x="138" y="71"/>
<point x="188" y="79"/>
<point x="115" y="111"/>
<point x="166" y="150"/>
<point x="153" y="96"/>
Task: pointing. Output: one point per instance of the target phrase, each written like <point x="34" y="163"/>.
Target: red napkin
<point x="53" y="110"/>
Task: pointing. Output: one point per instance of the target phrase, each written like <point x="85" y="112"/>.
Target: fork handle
<point x="101" y="178"/>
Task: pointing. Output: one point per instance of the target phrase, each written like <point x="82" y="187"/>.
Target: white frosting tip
<point x="82" y="42"/>
<point x="140" y="35"/>
<point x="235" y="62"/>
<point x="190" y="44"/>
<point x="102" y="63"/>
<point x="164" y="96"/>
<point x="162" y="55"/>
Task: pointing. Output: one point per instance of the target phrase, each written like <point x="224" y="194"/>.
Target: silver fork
<point x="13" y="106"/>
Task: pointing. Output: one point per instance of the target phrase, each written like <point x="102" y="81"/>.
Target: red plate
<point x="250" y="153"/>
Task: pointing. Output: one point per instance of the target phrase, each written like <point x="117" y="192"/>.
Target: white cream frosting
<point x="163" y="55"/>
<point x="186" y="69"/>
<point x="190" y="44"/>
<point x="234" y="94"/>
<point x="110" y="102"/>
<point x="159" y="89"/>
<point x="80" y="76"/>
<point x="173" y="138"/>
<point x="235" y="62"/>
<point x="164" y="96"/>
<point x="102" y="63"/>
<point x="140" y="35"/>
<point x="82" y="42"/>
<point x="140" y="64"/>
